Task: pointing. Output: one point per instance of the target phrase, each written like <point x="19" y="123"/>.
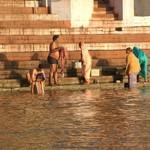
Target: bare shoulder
<point x="42" y="71"/>
<point x="34" y="71"/>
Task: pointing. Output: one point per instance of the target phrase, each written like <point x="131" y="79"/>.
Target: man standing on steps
<point x="53" y="57"/>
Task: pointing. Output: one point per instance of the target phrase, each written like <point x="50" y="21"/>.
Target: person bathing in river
<point x="37" y="78"/>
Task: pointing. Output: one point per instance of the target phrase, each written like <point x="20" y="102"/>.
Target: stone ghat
<point x="15" y="66"/>
<point x="72" y="55"/>
<point x="24" y="10"/>
<point x="26" y="30"/>
<point x="19" y="3"/>
<point x="14" y="86"/>
<point x="66" y="39"/>
<point x="61" y="28"/>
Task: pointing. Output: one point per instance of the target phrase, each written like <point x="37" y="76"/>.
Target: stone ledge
<point x="102" y="86"/>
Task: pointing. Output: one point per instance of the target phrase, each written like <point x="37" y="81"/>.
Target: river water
<point x="75" y="120"/>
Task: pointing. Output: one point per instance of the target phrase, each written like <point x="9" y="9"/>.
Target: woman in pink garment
<point x="86" y="62"/>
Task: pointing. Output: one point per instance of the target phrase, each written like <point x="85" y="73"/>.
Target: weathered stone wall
<point x="77" y="11"/>
<point x="62" y="8"/>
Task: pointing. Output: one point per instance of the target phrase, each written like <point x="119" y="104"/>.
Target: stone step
<point x="102" y="16"/>
<point x="72" y="55"/>
<point x="9" y="83"/>
<point x="68" y="72"/>
<point x="102" y="4"/>
<point x="108" y="23"/>
<point x="100" y="10"/>
<point x="6" y="48"/>
<point x="20" y="73"/>
<point x="56" y="24"/>
<point x="66" y="30"/>
<point x="96" y="3"/>
<point x="22" y="64"/>
<point x="28" y="17"/>
<point x="73" y="31"/>
<point x="105" y="82"/>
<point x="13" y="57"/>
<point x="66" y="39"/>
<point x="13" y="83"/>
<point x="19" y="69"/>
<point x="19" y="3"/>
<point x="24" y="10"/>
<point x="24" y="24"/>
<point x="102" y="86"/>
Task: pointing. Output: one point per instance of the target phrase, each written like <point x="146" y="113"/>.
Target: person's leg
<point x="42" y="87"/>
<point x="55" y="74"/>
<point x="32" y="84"/>
<point x="132" y="80"/>
<point x="51" y="74"/>
<point x="33" y="88"/>
<point x="145" y="70"/>
<point x="28" y="76"/>
<point x="39" y="87"/>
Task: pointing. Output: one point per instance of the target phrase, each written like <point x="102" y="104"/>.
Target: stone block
<point x="76" y="65"/>
<point x="95" y="72"/>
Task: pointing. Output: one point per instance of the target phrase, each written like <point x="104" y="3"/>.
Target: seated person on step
<point x="37" y="79"/>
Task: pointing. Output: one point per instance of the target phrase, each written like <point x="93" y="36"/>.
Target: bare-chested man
<point x="53" y="57"/>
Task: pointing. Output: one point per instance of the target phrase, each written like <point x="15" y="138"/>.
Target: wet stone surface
<point x="79" y="120"/>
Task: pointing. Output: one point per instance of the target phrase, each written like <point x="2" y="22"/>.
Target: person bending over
<point x="143" y="59"/>
<point x="37" y="79"/>
<point x="132" y="68"/>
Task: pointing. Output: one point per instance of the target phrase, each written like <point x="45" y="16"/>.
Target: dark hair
<point x="55" y="37"/>
<point x="129" y="49"/>
<point x="40" y="66"/>
<point x="80" y="44"/>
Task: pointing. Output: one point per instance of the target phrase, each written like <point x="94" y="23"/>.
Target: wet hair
<point x="40" y="66"/>
<point x="129" y="49"/>
<point x="55" y="37"/>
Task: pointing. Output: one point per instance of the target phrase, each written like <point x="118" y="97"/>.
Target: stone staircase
<point x="102" y="11"/>
<point x="26" y="32"/>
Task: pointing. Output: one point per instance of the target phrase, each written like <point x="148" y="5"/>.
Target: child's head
<point x="40" y="66"/>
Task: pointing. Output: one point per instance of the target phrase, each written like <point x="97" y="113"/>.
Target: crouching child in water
<point x="37" y="80"/>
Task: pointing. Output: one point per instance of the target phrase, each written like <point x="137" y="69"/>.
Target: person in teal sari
<point x="143" y="59"/>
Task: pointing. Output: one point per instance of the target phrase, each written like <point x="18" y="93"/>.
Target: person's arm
<point x="44" y="75"/>
<point x="127" y="64"/>
<point x="33" y="76"/>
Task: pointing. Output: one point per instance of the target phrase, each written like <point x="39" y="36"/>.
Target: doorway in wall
<point x="141" y="8"/>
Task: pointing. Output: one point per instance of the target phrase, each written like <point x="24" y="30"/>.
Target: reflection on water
<point x="79" y="120"/>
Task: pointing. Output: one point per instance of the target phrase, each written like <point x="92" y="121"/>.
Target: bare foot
<point x="50" y="84"/>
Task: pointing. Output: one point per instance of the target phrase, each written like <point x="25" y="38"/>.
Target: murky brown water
<point x="80" y="120"/>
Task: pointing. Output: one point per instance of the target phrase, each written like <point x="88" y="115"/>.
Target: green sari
<point x="143" y="59"/>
